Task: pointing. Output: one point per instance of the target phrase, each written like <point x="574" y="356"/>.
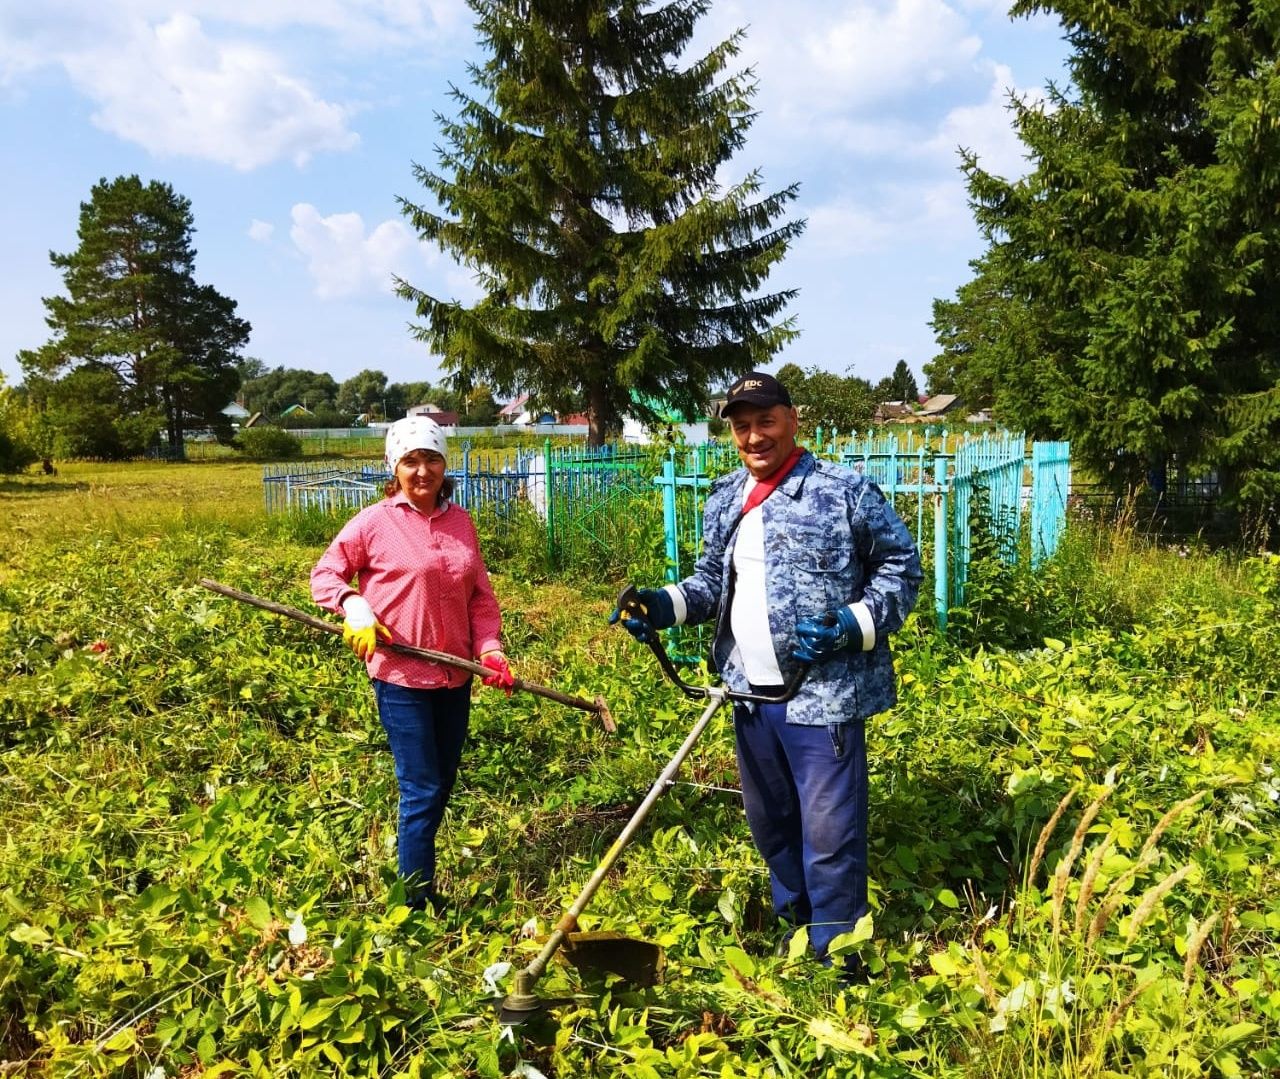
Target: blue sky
<point x="292" y="125"/>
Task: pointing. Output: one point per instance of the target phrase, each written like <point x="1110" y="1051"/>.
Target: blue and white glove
<point x="659" y="613"/>
<point x="818" y="638"/>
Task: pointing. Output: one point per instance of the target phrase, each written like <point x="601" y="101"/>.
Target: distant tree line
<point x="363" y="398"/>
<point x="843" y="402"/>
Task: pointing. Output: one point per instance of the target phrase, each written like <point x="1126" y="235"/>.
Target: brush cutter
<point x="597" y="706"/>
<point x="636" y="961"/>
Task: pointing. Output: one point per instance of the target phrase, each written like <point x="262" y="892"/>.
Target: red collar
<point x="765" y="487"/>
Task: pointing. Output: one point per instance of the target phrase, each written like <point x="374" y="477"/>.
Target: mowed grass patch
<point x="1074" y="859"/>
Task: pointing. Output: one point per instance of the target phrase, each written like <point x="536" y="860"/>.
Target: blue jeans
<point x="805" y="793"/>
<point x="426" y="729"/>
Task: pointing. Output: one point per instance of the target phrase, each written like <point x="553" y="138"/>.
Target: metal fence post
<point x="466" y="474"/>
<point x="668" y="484"/>
<point x="940" y="597"/>
<point x="547" y="486"/>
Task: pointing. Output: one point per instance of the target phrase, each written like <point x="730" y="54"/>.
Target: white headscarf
<point x="413" y="433"/>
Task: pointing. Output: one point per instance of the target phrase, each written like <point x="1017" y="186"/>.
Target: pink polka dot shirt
<point x="426" y="581"/>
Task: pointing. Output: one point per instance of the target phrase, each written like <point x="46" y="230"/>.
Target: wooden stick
<point x="597" y="706"/>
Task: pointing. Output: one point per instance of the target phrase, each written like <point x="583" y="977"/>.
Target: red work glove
<point x="502" y="678"/>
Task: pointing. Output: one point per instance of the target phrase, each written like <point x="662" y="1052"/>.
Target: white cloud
<point x="877" y="50"/>
<point x="818" y="58"/>
<point x="344" y="260"/>
<point x="987" y="128"/>
<point x="204" y="81"/>
<point x="261" y="231"/>
<point x="843" y="227"/>
<point x="886" y="220"/>
<point x="174" y="91"/>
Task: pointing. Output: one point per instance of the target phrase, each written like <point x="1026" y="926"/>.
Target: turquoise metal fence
<point x="591" y="502"/>
<point x="595" y="500"/>
<point x="986" y="478"/>
<point x="598" y="505"/>
<point x="1050" y="488"/>
<point x="959" y="481"/>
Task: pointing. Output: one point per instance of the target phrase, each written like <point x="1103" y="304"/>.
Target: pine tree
<point x="1140" y="255"/>
<point x="580" y="186"/>
<point x="903" y="385"/>
<point x="133" y="307"/>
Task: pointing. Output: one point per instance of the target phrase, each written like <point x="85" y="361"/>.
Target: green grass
<point x="182" y="778"/>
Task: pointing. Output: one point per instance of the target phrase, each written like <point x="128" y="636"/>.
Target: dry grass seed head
<point x="1114" y="1017"/>
<point x="1151" y="897"/>
<point x="1194" y="947"/>
<point x="1037" y="855"/>
<point x="1063" y="869"/>
<point x="984" y="978"/>
<point x="1162" y="825"/>
<point x="1146" y="856"/>
<point x="1089" y="878"/>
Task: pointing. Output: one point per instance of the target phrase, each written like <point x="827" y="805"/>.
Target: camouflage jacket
<point x="830" y="538"/>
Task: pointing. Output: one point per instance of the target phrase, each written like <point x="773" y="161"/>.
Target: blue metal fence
<point x="592" y="500"/>
<point x="1050" y="488"/>
<point x="963" y="480"/>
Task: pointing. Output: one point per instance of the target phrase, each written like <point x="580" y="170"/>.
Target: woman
<point x="421" y="580"/>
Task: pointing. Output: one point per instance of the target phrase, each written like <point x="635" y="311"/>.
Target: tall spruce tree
<point x="1130" y="281"/>
<point x="133" y="307"/>
<point x="580" y="186"/>
<point x="902" y="384"/>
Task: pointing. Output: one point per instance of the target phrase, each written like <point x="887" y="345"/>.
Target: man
<point x="802" y="561"/>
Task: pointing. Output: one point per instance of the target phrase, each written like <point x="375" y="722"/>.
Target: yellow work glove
<point x="361" y="629"/>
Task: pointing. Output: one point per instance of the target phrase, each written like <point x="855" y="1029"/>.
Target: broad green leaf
<point x="845" y="943"/>
<point x="258" y="911"/>
<point x="29" y="934"/>
<point x="727" y="905"/>
<point x="943" y="964"/>
<point x="843" y="1040"/>
<point x="315" y="1015"/>
<point x="206" y="1048"/>
<point x="947" y="898"/>
<point x="798" y="945"/>
<point x="740" y="961"/>
<point x="1235" y="1033"/>
<point x="125" y="1038"/>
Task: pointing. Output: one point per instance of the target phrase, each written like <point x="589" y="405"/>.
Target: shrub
<point x="268" y="443"/>
<point x="14" y="454"/>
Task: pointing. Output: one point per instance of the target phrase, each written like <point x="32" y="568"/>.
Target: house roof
<point x="297" y="410"/>
<point x="893" y="409"/>
<point x="665" y="412"/>
<point x="514" y="408"/>
<point x="939" y="403"/>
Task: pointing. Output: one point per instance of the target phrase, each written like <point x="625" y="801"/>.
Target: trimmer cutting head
<point x="636" y="962"/>
<point x="522" y="1004"/>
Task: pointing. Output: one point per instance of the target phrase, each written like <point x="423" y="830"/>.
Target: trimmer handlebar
<point x="630" y="605"/>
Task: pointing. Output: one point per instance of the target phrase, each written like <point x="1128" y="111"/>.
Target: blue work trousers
<point x="805" y="793"/>
<point x="426" y="729"/>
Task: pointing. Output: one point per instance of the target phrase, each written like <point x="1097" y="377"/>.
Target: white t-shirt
<point x="749" y="613"/>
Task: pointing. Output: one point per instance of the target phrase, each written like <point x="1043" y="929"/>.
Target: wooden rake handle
<point x="597" y="706"/>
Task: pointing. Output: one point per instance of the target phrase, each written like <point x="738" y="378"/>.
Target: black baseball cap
<point x="756" y="388"/>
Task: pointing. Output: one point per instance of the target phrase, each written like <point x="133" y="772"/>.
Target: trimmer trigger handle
<point x="629" y="603"/>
